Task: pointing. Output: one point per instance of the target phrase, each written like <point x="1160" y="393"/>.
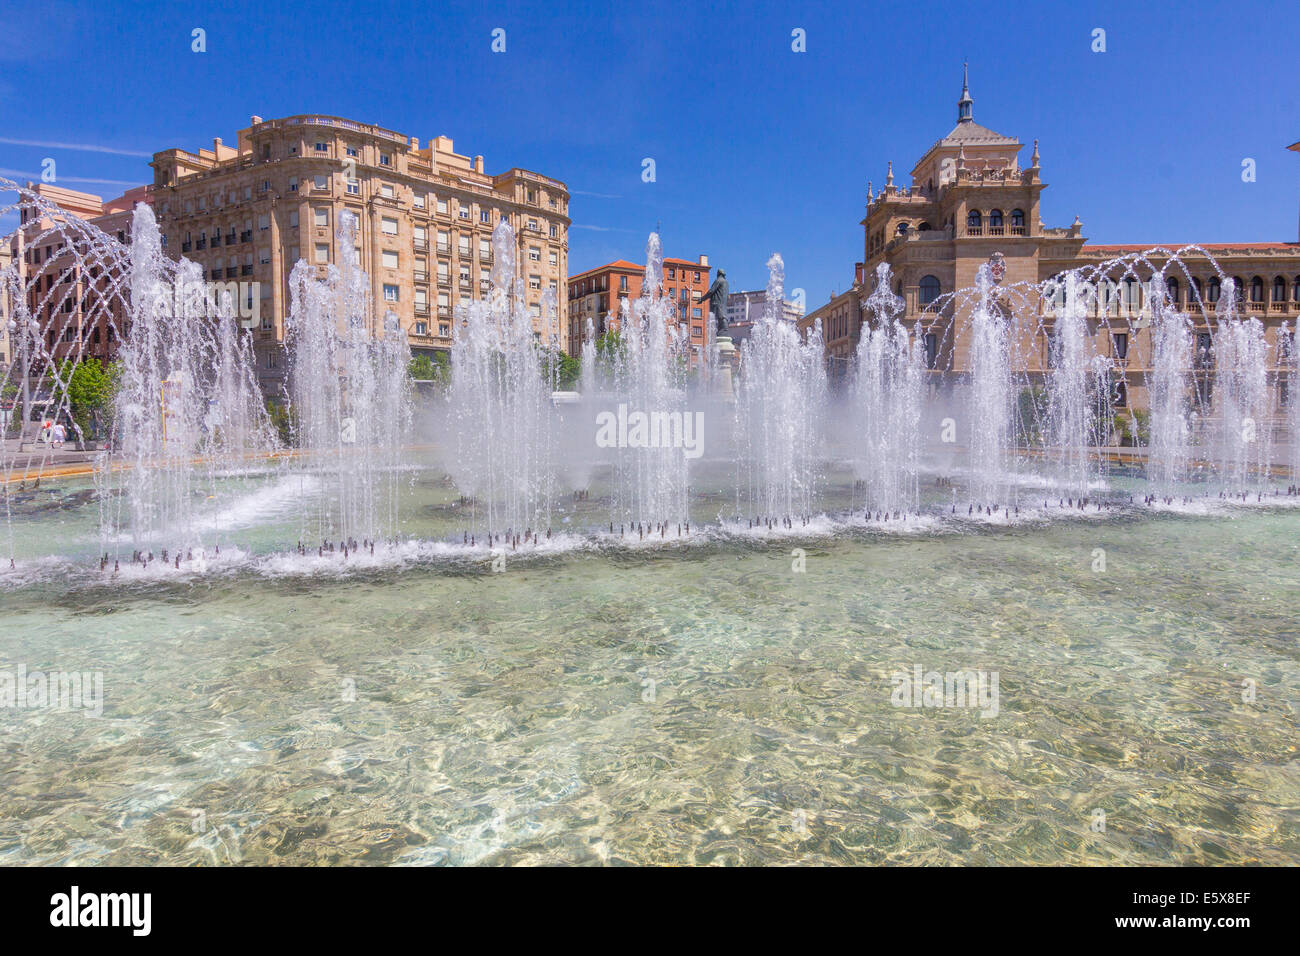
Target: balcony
<point x="1018" y="231"/>
<point x="420" y="244"/>
<point x="230" y="239"/>
<point x="444" y="311"/>
<point x="231" y="272"/>
<point x="201" y="244"/>
<point x="974" y="230"/>
<point x="216" y="240"/>
<point x="485" y="255"/>
<point x="421" y="309"/>
<point x="444" y="248"/>
<point x="444" y="280"/>
<point x="246" y="236"/>
<point x="421" y="276"/>
<point x="246" y="270"/>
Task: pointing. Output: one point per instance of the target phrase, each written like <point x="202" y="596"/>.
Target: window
<point x="931" y="350"/>
<point x="1295" y="290"/>
<point x="388" y="226"/>
<point x="442" y="206"/>
<point x="322" y="252"/>
<point x="1172" y="286"/>
<point x="974" y="222"/>
<point x="464" y="212"/>
<point x="1256" y="289"/>
<point x="555" y="231"/>
<point x="535" y="253"/>
<point x="354" y="188"/>
<point x="1193" y="290"/>
<point x="1119" y="394"/>
<point x="929" y="289"/>
<point x="389" y="259"/>
<point x="534" y="282"/>
<point x="1018" y="218"/>
<point x="695" y="313"/>
<point x="417" y="200"/>
<point x="1212" y="295"/>
<point x="264" y="256"/>
<point x="554" y="258"/>
<point x="353" y="151"/>
<point x="421" y="328"/>
<point x="263" y="222"/>
<point x="386" y="191"/>
<point x="902" y="229"/>
<point x="293" y="184"/>
<point x="320" y="182"/>
<point x="390" y="293"/>
<point x="995" y="218"/>
<point x="697" y="277"/>
<point x="1279" y="289"/>
<point x="322" y="147"/>
<point x="622" y="283"/>
<point x="385" y="159"/>
<point x="293" y="219"/>
<point x="321" y="215"/>
<point x="485" y="215"/>
<point x="1120" y="342"/>
<point x="462" y="246"/>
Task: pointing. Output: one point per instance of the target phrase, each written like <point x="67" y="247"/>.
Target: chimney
<point x="254" y="120"/>
<point x="704" y="260"/>
<point x="415" y="142"/>
<point x="478" y="164"/>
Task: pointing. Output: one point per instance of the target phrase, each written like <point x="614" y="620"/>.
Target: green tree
<point x="90" y="386"/>
<point x="426" y="368"/>
<point x="567" y="370"/>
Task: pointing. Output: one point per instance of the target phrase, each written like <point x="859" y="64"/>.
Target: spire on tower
<point x="965" y="104"/>
<point x="889" y="179"/>
<point x="1034" y="159"/>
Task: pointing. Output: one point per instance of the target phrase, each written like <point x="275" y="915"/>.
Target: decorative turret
<point x="965" y="105"/>
<point x="889" y="179"/>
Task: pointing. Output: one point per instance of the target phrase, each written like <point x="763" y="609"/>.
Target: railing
<point x="444" y="280"/>
<point x="974" y="230"/>
<point x="421" y="276"/>
<point x="444" y="248"/>
<point x="420" y="244"/>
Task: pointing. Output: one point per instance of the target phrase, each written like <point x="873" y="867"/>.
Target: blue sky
<point x="757" y="148"/>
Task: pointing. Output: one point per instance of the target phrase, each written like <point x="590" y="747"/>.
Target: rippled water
<point x="701" y="704"/>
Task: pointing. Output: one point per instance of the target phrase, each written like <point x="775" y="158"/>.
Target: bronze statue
<point x="717" y="299"/>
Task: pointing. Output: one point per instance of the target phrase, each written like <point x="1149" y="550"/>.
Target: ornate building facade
<point x="969" y="200"/>
<point x="425" y="218"/>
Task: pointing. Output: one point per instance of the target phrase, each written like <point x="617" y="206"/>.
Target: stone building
<point x="249" y="212"/>
<point x="969" y="200"/>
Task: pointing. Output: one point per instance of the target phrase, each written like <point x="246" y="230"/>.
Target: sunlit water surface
<point x="679" y="704"/>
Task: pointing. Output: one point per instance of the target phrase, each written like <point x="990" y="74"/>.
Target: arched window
<point x="1193" y="290"/>
<point x="924" y="227"/>
<point x="902" y="228"/>
<point x="929" y="290"/>
<point x="1279" y="289"/>
<point x="974" y="221"/>
<point x="1018" y="218"/>
<point x="1172" y="286"/>
<point x="1212" y="293"/>
<point x="995" y="218"/>
<point x="1256" y="289"/>
<point x="1239" y="289"/>
<point x="1295" y="290"/>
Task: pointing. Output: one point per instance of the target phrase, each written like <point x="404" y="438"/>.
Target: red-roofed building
<point x="594" y="296"/>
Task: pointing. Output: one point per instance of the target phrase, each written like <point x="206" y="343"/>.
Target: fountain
<point x="349" y="398"/>
<point x="887" y="398"/>
<point x="780" y="405"/>
<point x="990" y="394"/>
<point x="500" y="404"/>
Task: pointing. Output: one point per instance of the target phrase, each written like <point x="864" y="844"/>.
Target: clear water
<point x="503" y="717"/>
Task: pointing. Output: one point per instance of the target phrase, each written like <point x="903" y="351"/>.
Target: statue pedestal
<point x="724" y="353"/>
